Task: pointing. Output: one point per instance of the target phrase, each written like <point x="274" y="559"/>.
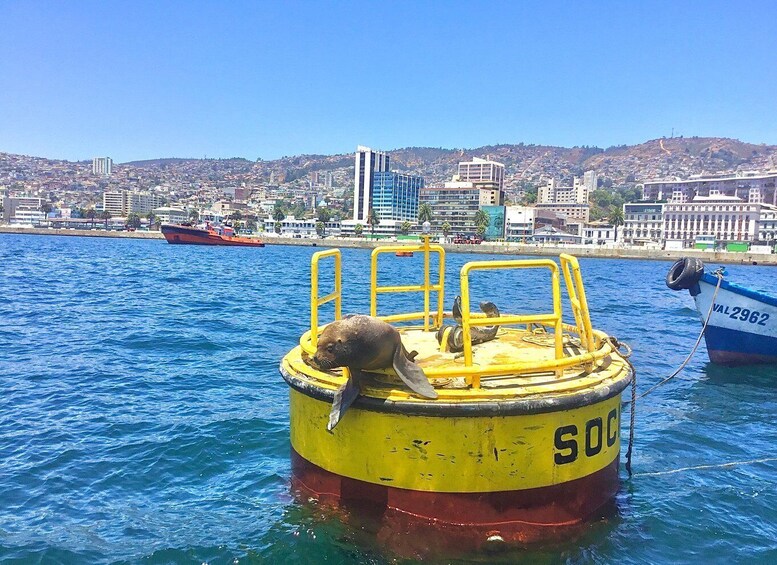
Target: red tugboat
<point x="209" y="235"/>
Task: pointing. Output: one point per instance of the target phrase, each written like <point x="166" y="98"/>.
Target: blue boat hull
<point x="743" y="326"/>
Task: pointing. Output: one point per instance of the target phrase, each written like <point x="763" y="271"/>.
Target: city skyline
<point x="264" y="80"/>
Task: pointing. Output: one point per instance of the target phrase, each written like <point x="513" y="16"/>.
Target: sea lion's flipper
<point x="411" y="374"/>
<point x="344" y="397"/>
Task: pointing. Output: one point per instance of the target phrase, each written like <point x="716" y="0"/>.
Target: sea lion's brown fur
<point x="364" y="343"/>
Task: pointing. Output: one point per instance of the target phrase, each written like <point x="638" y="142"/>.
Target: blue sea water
<point x="143" y="419"/>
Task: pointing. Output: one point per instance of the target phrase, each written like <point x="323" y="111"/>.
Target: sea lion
<point x="454" y="336"/>
<point x="364" y="343"/>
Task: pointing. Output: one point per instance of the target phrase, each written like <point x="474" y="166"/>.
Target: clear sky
<point x="139" y="80"/>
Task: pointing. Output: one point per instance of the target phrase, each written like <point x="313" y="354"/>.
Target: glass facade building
<point x="395" y="196"/>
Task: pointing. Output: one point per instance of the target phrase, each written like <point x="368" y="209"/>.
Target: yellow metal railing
<point x="317" y="301"/>
<point x="553" y="318"/>
<point x="574" y="280"/>
<point x="427" y="288"/>
<point x="594" y="343"/>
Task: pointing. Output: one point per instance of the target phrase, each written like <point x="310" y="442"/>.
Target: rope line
<point x="702" y="467"/>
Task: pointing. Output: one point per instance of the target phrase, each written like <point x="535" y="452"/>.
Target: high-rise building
<point x="590" y="181"/>
<point x="482" y="172"/>
<point x="578" y="193"/>
<point x="102" y="166"/>
<point x="395" y="195"/>
<point x="367" y="163"/>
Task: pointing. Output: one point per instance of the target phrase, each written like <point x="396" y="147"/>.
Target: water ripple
<point x="143" y="419"/>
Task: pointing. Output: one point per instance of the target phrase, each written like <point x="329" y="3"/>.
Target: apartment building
<point x="755" y="187"/>
<point x="102" y="166"/>
<point x="519" y="223"/>
<point x="570" y="210"/>
<point x="124" y="202"/>
<point x="643" y="223"/>
<point x="455" y="203"/>
<point x="22" y="210"/>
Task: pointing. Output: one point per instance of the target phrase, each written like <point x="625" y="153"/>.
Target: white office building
<point x="519" y="223"/>
<point x="102" y="166"/>
<point x="367" y="163"/>
<point x="643" y="223"/>
<point x="756" y="187"/>
<point x="724" y="219"/>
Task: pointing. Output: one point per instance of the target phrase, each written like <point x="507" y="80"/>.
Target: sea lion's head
<point x="333" y="347"/>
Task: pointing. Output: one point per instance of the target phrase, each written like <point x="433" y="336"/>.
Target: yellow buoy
<point x="521" y="444"/>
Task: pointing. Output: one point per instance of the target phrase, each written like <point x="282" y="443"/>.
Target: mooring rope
<point x="702" y="467"/>
<point x="695" y="346"/>
<point x="633" y="402"/>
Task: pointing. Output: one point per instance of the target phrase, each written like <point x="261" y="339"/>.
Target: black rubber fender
<point x="685" y="273"/>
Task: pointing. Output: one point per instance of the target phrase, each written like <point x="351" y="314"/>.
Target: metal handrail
<point x="553" y="318"/>
<point x="577" y="299"/>
<point x="315" y="300"/>
<point x="426" y="287"/>
<point x="595" y="343"/>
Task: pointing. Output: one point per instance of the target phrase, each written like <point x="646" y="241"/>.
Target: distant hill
<point x="525" y="165"/>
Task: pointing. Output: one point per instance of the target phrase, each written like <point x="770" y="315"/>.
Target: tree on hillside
<point x="373" y="220"/>
<point x="324" y="214"/>
<point x="424" y="213"/>
<point x="405" y="227"/>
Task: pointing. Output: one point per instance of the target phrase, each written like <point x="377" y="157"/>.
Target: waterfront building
<point x="496" y="224"/>
<point x="755" y="187"/>
<point x="553" y="235"/>
<point x="570" y="210"/>
<point x="367" y="163"/>
<point x="767" y="224"/>
<point x="519" y="223"/>
<point x="643" y="223"/>
<point x="727" y="219"/>
<point x="455" y="203"/>
<point x="599" y="233"/>
<point x="395" y="196"/>
<point x="125" y="202"/>
<point x="170" y="215"/>
<point x="292" y="227"/>
<point x="22" y="210"/>
<point x="102" y="166"/>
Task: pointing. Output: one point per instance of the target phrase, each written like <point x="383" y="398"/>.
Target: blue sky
<point x="139" y="80"/>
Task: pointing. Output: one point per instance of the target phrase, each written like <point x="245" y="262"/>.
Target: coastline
<point x="496" y="248"/>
